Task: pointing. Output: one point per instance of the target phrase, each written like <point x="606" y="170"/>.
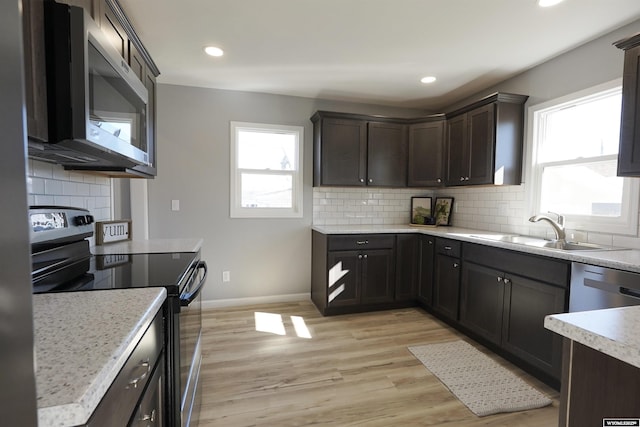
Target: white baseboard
<point x="233" y="302"/>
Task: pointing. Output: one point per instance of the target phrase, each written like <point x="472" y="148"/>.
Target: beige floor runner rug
<point x="480" y="383"/>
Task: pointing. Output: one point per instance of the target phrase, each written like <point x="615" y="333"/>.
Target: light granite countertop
<point x="612" y="331"/>
<point x="148" y="246"/>
<point x="627" y="259"/>
<point x="82" y="340"/>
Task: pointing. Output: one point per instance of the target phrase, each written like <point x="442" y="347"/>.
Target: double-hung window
<point x="574" y="161"/>
<point x="266" y="170"/>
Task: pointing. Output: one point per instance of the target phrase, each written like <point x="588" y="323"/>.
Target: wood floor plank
<point x="355" y="370"/>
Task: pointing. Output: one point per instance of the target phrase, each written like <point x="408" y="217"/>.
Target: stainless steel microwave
<point x="97" y="106"/>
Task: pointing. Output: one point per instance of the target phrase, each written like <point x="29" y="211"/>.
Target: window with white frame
<point x="574" y="161"/>
<point x="266" y="170"/>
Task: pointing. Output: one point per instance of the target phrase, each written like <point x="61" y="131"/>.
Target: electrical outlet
<point x="226" y="276"/>
<point x="175" y="205"/>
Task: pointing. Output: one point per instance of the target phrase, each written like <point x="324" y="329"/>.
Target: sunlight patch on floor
<point x="273" y="323"/>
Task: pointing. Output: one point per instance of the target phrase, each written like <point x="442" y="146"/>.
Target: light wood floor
<point x="354" y="370"/>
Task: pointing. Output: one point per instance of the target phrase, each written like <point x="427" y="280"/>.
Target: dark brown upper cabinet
<point x="356" y="150"/>
<point x="484" y="142"/>
<point x="426" y="149"/>
<point x="386" y="154"/>
<point x="629" y="151"/>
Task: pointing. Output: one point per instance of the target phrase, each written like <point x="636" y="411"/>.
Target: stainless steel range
<point x="62" y="262"/>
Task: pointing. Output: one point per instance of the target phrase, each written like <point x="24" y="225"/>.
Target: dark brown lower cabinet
<point x="596" y="386"/>
<point x="481" y="301"/>
<point x="508" y="309"/>
<point x="426" y="270"/>
<point x="446" y="286"/>
<point x="407" y="269"/>
<point x="377" y="282"/>
<point x="352" y="272"/>
<point x="526" y="304"/>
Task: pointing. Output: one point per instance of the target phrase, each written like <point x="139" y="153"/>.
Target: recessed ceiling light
<point x="428" y="79"/>
<point x="213" y="51"/>
<point x="548" y="3"/>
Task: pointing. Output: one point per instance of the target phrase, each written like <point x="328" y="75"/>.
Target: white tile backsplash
<point x="50" y="184"/>
<point x="501" y="209"/>
<point x="355" y="206"/>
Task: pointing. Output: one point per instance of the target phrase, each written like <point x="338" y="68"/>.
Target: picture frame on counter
<point x="442" y="210"/>
<point x="421" y="211"/>
<point x="113" y="231"/>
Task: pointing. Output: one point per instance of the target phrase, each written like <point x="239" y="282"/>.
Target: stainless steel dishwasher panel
<point x="594" y="288"/>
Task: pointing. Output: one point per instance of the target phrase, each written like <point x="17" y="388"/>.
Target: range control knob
<point x="83" y="220"/>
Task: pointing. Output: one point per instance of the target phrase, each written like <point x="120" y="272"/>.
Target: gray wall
<point x="266" y="257"/>
<point x="585" y="66"/>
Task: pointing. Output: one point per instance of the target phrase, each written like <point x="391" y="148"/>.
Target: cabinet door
<point x="426" y="273"/>
<point x="407" y="251"/>
<point x="377" y="276"/>
<point x="457" y="159"/>
<point x="481" y="301"/>
<point x="343" y="152"/>
<point x="387" y="155"/>
<point x="110" y="25"/>
<point x="447" y="286"/>
<point x="34" y="67"/>
<point x="346" y="289"/>
<point x="426" y="146"/>
<point x="629" y="152"/>
<point x="136" y="62"/>
<point x="527" y="302"/>
<point x="480" y="145"/>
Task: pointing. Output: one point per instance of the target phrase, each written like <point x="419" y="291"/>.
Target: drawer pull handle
<point x="499" y="279"/>
<point x="362" y="242"/>
<point x="447" y="248"/>
<point x="455" y="265"/>
<point x="133" y="383"/>
<point x="507" y="281"/>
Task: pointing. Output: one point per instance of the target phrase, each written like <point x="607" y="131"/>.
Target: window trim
<point x="235" y="190"/>
<point x="628" y="222"/>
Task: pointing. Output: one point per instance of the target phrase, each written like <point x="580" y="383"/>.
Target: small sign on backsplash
<point x="113" y="231"/>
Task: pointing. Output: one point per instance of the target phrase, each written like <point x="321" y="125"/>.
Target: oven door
<point x="190" y="351"/>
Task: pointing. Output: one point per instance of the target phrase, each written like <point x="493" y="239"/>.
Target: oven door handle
<point x="187" y="298"/>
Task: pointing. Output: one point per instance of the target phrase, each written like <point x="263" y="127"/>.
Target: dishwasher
<point x="594" y="288"/>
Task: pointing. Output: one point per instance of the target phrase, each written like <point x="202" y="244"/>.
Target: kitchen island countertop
<point x="82" y="340"/>
<point x="612" y="331"/>
<point x="148" y="246"/>
<point x="627" y="259"/>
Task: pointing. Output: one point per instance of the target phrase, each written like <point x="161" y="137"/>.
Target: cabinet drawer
<point x="348" y="242"/>
<point x="548" y="270"/>
<point x="120" y="400"/>
<point x="448" y="247"/>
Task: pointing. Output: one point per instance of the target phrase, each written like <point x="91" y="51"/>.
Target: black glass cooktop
<point x="119" y="271"/>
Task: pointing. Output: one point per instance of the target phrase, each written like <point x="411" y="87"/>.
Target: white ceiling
<point x="372" y="51"/>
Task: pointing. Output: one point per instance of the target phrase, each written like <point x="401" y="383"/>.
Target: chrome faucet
<point x="558" y="226"/>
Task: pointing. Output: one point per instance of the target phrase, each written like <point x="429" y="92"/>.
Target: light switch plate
<point x="175" y="205"/>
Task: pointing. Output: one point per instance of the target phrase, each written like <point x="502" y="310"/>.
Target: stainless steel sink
<point x="544" y="243"/>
